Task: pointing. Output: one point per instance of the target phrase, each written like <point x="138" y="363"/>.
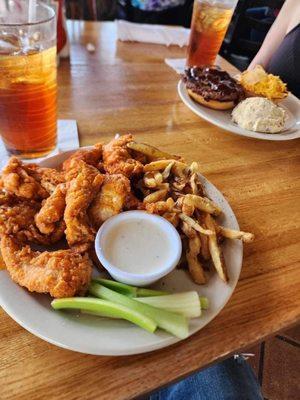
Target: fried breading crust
<point x="90" y="156"/>
<point x="17" y="217"/>
<point x="81" y="191"/>
<point x="110" y="200"/>
<point x="118" y="160"/>
<point x="62" y="273"/>
<point x="48" y="178"/>
<point x="52" y="210"/>
<point x="16" y="180"/>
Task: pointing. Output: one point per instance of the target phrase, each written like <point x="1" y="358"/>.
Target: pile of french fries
<point x="173" y="190"/>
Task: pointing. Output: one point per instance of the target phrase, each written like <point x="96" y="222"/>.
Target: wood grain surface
<point x="126" y="87"/>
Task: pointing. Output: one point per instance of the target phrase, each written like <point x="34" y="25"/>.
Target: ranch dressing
<point x="137" y="246"/>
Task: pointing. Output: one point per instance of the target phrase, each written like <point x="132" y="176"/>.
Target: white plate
<point x="222" y="119"/>
<point x="92" y="335"/>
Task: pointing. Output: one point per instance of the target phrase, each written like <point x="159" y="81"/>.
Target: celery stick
<point x="186" y="303"/>
<point x="173" y="323"/>
<point x="143" y="292"/>
<point x="204" y="302"/>
<point x="127" y="290"/>
<point x="106" y="309"/>
<point x="119" y="287"/>
<point x="95" y="313"/>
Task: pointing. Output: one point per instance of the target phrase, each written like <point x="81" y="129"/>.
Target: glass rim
<point x="43" y="21"/>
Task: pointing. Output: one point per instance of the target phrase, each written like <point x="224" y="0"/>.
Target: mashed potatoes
<point x="259" y="115"/>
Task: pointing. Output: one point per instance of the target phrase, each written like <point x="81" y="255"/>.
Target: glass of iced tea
<point x="210" y="21"/>
<point x="28" y="119"/>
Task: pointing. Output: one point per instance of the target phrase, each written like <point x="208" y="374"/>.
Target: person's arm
<point x="275" y="34"/>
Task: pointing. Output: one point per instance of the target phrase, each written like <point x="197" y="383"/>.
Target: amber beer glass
<point x="28" y="120"/>
<point x="210" y="21"/>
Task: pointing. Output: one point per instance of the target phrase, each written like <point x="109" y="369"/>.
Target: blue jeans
<point x="229" y="380"/>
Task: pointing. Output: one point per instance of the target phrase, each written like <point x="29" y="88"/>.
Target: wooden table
<point x="127" y="87"/>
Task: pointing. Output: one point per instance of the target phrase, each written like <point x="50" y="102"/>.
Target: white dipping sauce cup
<point x="145" y="278"/>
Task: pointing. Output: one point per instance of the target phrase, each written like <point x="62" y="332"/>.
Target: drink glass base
<point x="30" y="154"/>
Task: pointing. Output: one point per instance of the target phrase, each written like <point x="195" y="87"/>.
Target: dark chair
<point x="180" y="15"/>
<point x="91" y="9"/>
<point x="247" y="32"/>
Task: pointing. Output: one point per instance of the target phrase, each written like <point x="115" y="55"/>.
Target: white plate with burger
<point x="213" y="95"/>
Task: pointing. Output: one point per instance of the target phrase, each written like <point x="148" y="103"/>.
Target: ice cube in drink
<point x="209" y="25"/>
<point x="28" y="78"/>
<point x="28" y="102"/>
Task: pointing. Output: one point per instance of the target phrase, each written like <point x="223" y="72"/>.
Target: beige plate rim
<point x="222" y="119"/>
<point x="91" y="335"/>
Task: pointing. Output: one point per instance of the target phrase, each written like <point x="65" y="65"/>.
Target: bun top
<point x="212" y="83"/>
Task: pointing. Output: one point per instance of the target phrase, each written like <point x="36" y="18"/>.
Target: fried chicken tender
<point x="48" y="178"/>
<point x="132" y="203"/>
<point x="17" y="217"/>
<point x="110" y="200"/>
<point x="118" y="160"/>
<point x="52" y="211"/>
<point x="16" y="180"/>
<point x="7" y="198"/>
<point x="81" y="191"/>
<point x="90" y="156"/>
<point x="33" y="234"/>
<point x="62" y="273"/>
